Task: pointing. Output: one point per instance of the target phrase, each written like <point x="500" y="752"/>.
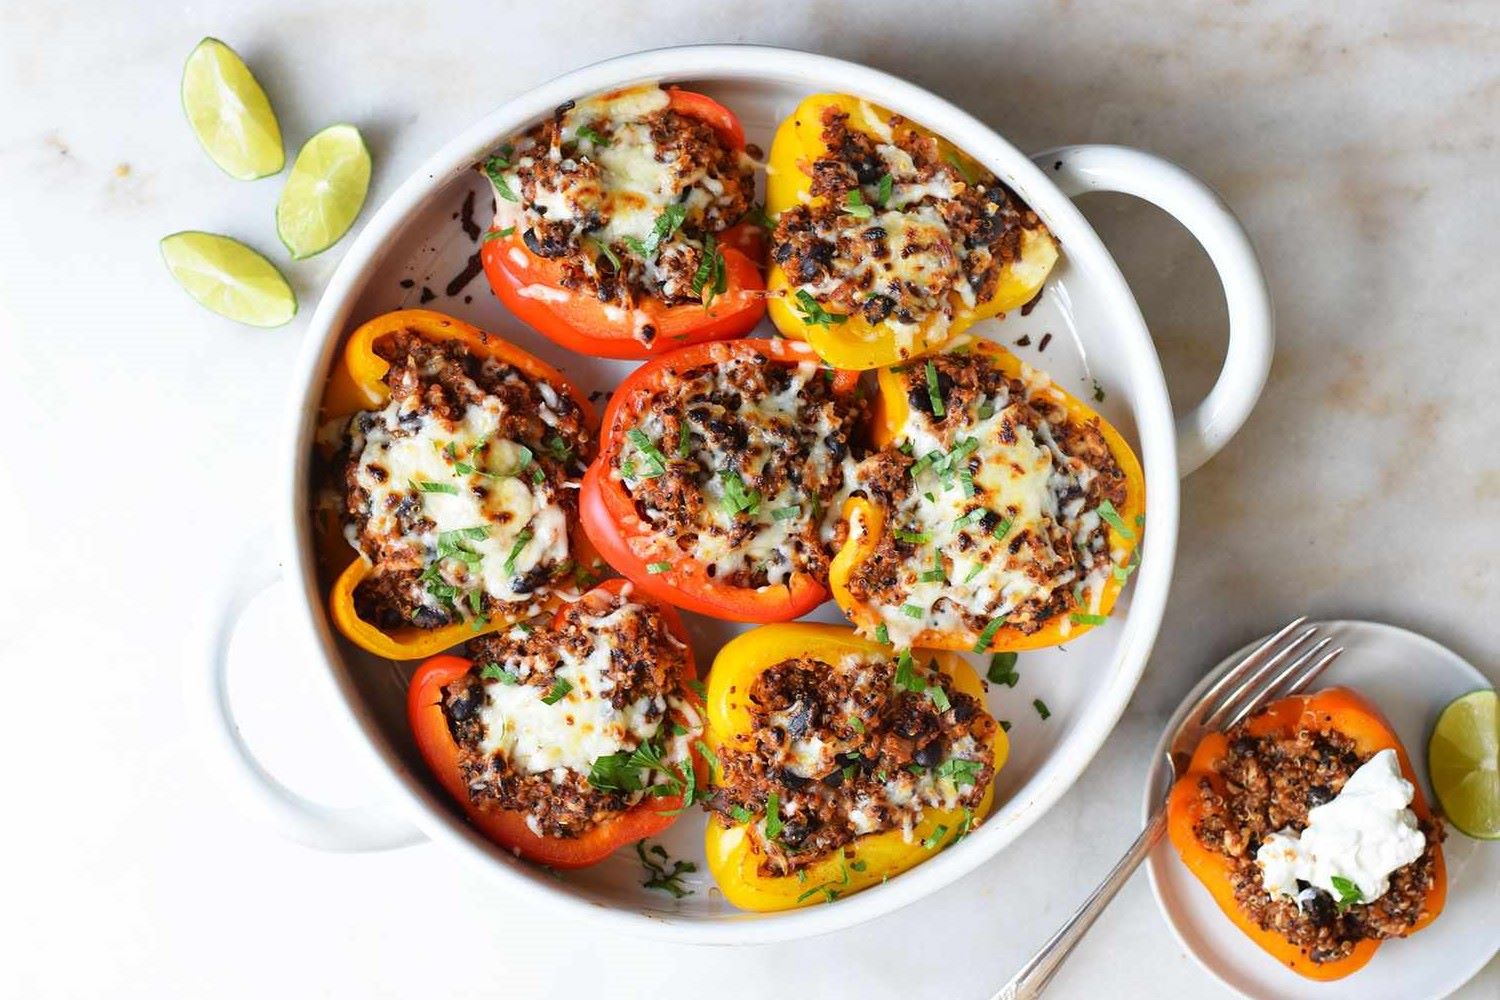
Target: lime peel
<point x="230" y="113"/>
<point x="1463" y="763"/>
<point x="324" y="192"/>
<point x="230" y="278"/>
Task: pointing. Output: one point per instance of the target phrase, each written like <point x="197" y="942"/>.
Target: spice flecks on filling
<point x="1271" y="783"/>
<point x="991" y="497"/>
<point x="740" y="464"/>
<point x="575" y="724"/>
<point x="901" y="237"/>
<point x="848" y="749"/>
<point x="460" y="489"/>
<point x="625" y="193"/>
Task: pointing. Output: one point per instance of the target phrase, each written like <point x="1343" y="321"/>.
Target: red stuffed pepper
<point x="620" y="225"/>
<point x="716" y="482"/>
<point x="565" y="743"/>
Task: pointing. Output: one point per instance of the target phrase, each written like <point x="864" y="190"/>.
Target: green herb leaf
<point x="882" y="634"/>
<point x="684" y="441"/>
<point x="883" y="189"/>
<point x="906" y="674"/>
<point x="615" y="773"/>
<point x="699" y="688"/>
<point x="710" y="756"/>
<point x="710" y="279"/>
<point x="934" y="394"/>
<point x="493" y="168"/>
<point x="814" y="314"/>
<point x="427" y="486"/>
<point x="936" y="837"/>
<point x="1003" y="528"/>
<point x="1079" y="618"/>
<point x="658" y="567"/>
<point x="587" y="132"/>
<point x="786" y="513"/>
<point x="495" y="672"/>
<point x="939" y="698"/>
<point x="855" y="205"/>
<point x="560" y="689"/>
<point x="962" y="168"/>
<point x="667" y="223"/>
<point x="1349" y="894"/>
<point x="498" y="234"/>
<point x="960" y="771"/>
<point x="662" y="878"/>
<point x="773" y="816"/>
<point x="516" y="549"/>
<point x="913" y="611"/>
<point x="741" y="814"/>
<point x="1003" y="669"/>
<point x="736" y="498"/>
<point x="656" y="462"/>
<point x="1114" y="520"/>
<point x="982" y="644"/>
<point x="913" y="537"/>
<point x="1041" y="708"/>
<point x="857" y="724"/>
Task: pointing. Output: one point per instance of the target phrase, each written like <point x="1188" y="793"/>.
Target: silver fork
<point x="1269" y="671"/>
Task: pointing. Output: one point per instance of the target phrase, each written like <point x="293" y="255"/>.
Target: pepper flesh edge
<point x="732" y="859"/>
<point x="356" y="385"/>
<point x="1334" y="709"/>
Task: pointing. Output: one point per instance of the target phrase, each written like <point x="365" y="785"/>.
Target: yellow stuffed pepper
<point x="998" y="512"/>
<point x="841" y="763"/>
<point x="890" y="241"/>
<point x="453" y="460"/>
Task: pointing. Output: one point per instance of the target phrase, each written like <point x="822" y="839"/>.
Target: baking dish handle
<point x="366" y="827"/>
<point x="1207" y="427"/>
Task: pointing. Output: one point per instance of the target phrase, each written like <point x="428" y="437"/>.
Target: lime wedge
<point x="1463" y="761"/>
<point x="229" y="278"/>
<point x="325" y="191"/>
<point x="229" y="112"/>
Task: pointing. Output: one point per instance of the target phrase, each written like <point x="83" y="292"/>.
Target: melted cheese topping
<point x="484" y="543"/>
<point x="582" y="726"/>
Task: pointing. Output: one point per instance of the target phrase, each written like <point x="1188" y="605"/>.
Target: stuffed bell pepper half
<point x="888" y="240"/>
<point x="841" y="763"/>
<point x="719" y="475"/>
<point x="453" y="460"/>
<point x="621" y="224"/>
<point x="565" y="742"/>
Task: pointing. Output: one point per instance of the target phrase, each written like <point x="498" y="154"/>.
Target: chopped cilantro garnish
<point x="786" y="513"/>
<point x="708" y="755"/>
<point x="855" y="205"/>
<point x="609" y="255"/>
<point x="559" y="448"/>
<point x="427" y="486"/>
<point x="660" y="877"/>
<point x="656" y="462"/>
<point x="814" y="314"/>
<point x="516" y="549"/>
<point x="883" y="189"/>
<point x="698" y="687"/>
<point x="1041" y="708"/>
<point x="736" y="498"/>
<point x="773" y="816"/>
<point x="1005" y="725"/>
<point x="939" y="698"/>
<point x="684" y="441"/>
<point x="974" y="571"/>
<point x="667" y="223"/>
<point x="882" y="634"/>
<point x="936" y="837"/>
<point x="495" y="672"/>
<point x="658" y="567"/>
<point x="962" y="168"/>
<point x="741" y="814"/>
<point x="962" y="772"/>
<point x="1114" y="520"/>
<point x="1349" y="892"/>
<point x="499" y="234"/>
<point x="587" y="132"/>
<point x="914" y="537"/>
<point x="906" y="674"/>
<point x="1079" y="618"/>
<point x="1003" y="528"/>
<point x="560" y="689"/>
<point x="934" y="394"/>
<point x="1003" y="669"/>
<point x="857" y="724"/>
<point x="988" y="635"/>
<point x="913" y="611"/>
<point x="494" y="168"/>
<point x="986" y="410"/>
<point x="710" y="279"/>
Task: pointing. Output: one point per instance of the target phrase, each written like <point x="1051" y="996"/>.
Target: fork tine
<point x="1252" y="661"/>
<point x="1263" y="696"/>
<point x="1301" y="683"/>
<point x="1251" y="681"/>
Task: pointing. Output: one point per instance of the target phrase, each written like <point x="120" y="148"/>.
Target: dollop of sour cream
<point x="1362" y="835"/>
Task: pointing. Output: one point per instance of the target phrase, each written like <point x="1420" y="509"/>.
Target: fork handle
<point x="1038" y="972"/>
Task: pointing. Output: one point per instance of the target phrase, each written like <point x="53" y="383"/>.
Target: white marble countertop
<point x="1357" y="141"/>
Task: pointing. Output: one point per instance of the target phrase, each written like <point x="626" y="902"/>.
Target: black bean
<point x="793" y="780"/>
<point x="1318" y="794"/>
<point x="930" y="755"/>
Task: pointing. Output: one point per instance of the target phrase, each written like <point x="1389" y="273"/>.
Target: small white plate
<point x="1411" y="678"/>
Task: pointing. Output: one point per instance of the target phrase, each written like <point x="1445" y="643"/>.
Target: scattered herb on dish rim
<point x="1041" y="708"/>
<point x="1003" y="669"/>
